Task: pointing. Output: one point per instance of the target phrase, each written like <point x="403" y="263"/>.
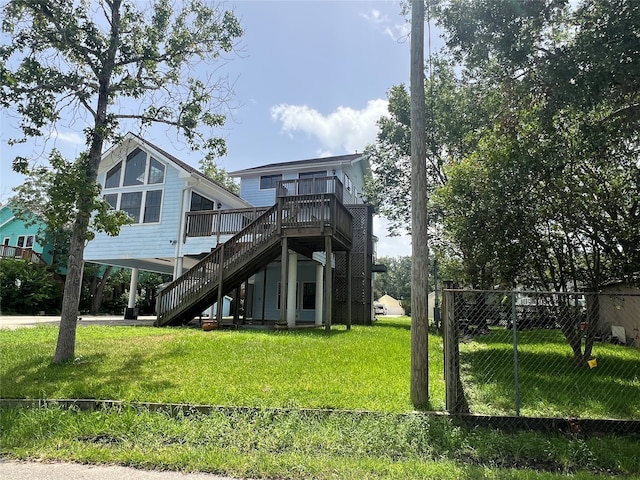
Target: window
<point x="24" y="241"/>
<point x="347" y="183"/>
<point x="322" y="173"/>
<point x="269" y="181"/>
<point x="111" y="199"/>
<point x="135" y="168"/>
<point x="156" y="172"/>
<point x="152" y="204"/>
<point x="308" y="295"/>
<point x="313" y="182"/>
<point x="131" y="203"/>
<point x="113" y="177"/>
<point x="139" y="169"/>
<point x="6" y="241"/>
<point x="199" y="203"/>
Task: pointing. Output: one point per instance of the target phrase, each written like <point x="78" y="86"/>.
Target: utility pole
<point x="419" y="235"/>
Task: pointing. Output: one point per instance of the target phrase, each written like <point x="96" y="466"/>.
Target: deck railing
<point x="214" y="223"/>
<point x="210" y="270"/>
<point x="320" y="212"/>
<point x="28" y="254"/>
<point x="306" y="186"/>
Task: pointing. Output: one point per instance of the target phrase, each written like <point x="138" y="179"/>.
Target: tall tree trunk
<point x="66" y="345"/>
<point x="419" y="238"/>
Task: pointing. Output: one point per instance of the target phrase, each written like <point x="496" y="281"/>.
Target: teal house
<point x="19" y="240"/>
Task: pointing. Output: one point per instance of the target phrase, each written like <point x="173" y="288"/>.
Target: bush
<point x="27" y="289"/>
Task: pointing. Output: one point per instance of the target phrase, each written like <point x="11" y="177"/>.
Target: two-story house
<point x="19" y="238"/>
<point x="296" y="246"/>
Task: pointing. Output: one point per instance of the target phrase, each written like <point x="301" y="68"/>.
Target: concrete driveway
<point x="13" y="322"/>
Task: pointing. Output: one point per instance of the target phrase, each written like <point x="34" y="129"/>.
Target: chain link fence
<point x="542" y="354"/>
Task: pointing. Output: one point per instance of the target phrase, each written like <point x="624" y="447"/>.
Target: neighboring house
<point x="19" y="239"/>
<point x="274" y="237"/>
<point x="391" y="306"/>
<point x="619" y="308"/>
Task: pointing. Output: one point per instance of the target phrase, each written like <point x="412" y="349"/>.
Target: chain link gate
<point x="542" y="354"/>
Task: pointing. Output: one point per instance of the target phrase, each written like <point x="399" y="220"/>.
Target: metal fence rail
<point x="542" y="354"/>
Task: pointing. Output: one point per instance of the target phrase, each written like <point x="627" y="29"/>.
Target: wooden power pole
<point x="419" y="235"/>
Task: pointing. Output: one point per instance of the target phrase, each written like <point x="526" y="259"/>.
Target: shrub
<point x="27" y="289"/>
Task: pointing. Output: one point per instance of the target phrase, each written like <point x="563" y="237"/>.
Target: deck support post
<point x="349" y="291"/>
<point x="319" y="293"/>
<point x="292" y="282"/>
<point x="284" y="271"/>
<point x="130" y="311"/>
<point x="328" y="284"/>
<point x="220" y="302"/>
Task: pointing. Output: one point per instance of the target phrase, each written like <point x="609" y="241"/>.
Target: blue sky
<point x="310" y="79"/>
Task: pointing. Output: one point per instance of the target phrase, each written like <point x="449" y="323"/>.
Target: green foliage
<point x="53" y="195"/>
<point x="123" y="62"/>
<point x="537" y="134"/>
<point x="371" y="430"/>
<point x="396" y="281"/>
<point x="63" y="56"/>
<point x="211" y="169"/>
<point x="27" y="289"/>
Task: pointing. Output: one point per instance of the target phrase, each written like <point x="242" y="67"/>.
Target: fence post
<point x="451" y="349"/>
<point x="514" y="323"/>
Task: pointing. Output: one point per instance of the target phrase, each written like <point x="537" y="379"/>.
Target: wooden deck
<point x="21" y="253"/>
<point x="307" y="221"/>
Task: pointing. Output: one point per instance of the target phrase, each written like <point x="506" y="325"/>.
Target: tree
<point x="211" y="169"/>
<point x="396" y="281"/>
<point x="50" y="195"/>
<point x="550" y="196"/>
<point x="101" y="58"/>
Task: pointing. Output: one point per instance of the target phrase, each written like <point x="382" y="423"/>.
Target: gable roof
<point x="322" y="162"/>
<point x="173" y="159"/>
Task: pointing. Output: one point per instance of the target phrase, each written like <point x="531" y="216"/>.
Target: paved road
<point x="13" y="470"/>
<point x="13" y="322"/>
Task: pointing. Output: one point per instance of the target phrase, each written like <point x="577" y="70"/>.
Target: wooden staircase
<point x="305" y="219"/>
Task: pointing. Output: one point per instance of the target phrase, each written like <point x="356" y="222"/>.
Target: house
<point x="390" y="306"/>
<point x="619" y="311"/>
<point x="295" y="246"/>
<point x="19" y="238"/>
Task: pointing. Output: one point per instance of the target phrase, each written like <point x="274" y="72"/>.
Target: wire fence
<point x="542" y="354"/>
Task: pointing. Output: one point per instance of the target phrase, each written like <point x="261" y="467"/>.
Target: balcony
<point x="21" y="253"/>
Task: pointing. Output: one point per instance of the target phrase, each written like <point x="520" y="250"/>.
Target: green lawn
<point x="363" y="374"/>
<point x="550" y="384"/>
<point x="363" y="369"/>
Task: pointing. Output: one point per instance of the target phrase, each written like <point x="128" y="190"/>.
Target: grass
<point x="363" y="374"/>
<point x="364" y="369"/>
<point x="550" y="384"/>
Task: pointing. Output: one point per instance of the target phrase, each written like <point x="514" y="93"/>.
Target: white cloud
<point x="397" y="31"/>
<point x="69" y="137"/>
<point x="345" y="128"/>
